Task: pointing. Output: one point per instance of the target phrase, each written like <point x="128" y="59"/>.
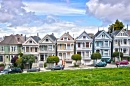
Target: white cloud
<point x="52" y="8"/>
<point x="109" y="10"/>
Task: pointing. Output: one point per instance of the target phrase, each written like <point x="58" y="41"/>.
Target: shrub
<point x="2" y="64"/>
<point x="45" y="64"/>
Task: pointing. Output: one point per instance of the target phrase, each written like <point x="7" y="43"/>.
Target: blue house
<point x="102" y="43"/>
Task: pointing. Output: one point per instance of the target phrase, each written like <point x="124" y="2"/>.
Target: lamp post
<point x="119" y="49"/>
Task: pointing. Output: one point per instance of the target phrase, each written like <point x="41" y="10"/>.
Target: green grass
<point x="90" y="77"/>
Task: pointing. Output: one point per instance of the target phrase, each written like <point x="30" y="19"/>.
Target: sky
<point x="29" y="17"/>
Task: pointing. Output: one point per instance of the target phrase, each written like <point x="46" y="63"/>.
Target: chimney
<point x="25" y="37"/>
<point x="37" y="35"/>
<point x="21" y="34"/>
<point x="52" y="34"/>
<point x="127" y="27"/>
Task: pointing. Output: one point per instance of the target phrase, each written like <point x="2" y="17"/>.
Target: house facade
<point x="47" y="47"/>
<point x="65" y="47"/>
<point x="31" y="46"/>
<point x="121" y="42"/>
<point x="10" y="46"/>
<point x="102" y="43"/>
<point x="84" y="46"/>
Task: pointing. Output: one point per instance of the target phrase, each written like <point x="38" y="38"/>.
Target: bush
<point x="2" y="64"/>
<point x="45" y="64"/>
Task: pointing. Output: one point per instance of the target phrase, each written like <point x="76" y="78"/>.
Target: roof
<point x="36" y="38"/>
<point x="115" y="32"/>
<point x="89" y="35"/>
<point x="52" y="37"/>
<point x="97" y="33"/>
<point x="13" y="39"/>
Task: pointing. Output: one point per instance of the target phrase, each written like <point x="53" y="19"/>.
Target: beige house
<point x="65" y="47"/>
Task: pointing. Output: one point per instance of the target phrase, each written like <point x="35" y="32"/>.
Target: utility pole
<point x="119" y="49"/>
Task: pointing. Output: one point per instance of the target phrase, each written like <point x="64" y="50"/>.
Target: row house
<point x="10" y="46"/>
<point x="102" y="43"/>
<point x="47" y="47"/>
<point x="84" y="46"/>
<point x="121" y="42"/>
<point x="31" y="46"/>
<point x="65" y="47"/>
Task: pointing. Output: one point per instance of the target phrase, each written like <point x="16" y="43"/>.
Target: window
<point x="83" y="44"/>
<point x="87" y="44"/>
<point x="115" y="41"/>
<point x="97" y="50"/>
<point x="46" y="40"/>
<point x="1" y="58"/>
<point x="97" y="43"/>
<point x="78" y="44"/>
<point x="116" y="49"/>
<point x="2" y="48"/>
<point x="125" y="41"/>
<point x="30" y="41"/>
<point x="124" y="50"/>
<point x="45" y="47"/>
<point x="84" y="37"/>
<point x="65" y="38"/>
<point x="106" y="43"/>
<point x="35" y="49"/>
<point x="11" y="48"/>
<point x="27" y="49"/>
<point x="60" y="46"/>
<point x="50" y="47"/>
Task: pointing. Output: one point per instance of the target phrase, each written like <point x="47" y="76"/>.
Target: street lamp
<point x="119" y="49"/>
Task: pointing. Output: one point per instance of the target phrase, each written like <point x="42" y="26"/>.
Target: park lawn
<point x="86" y="77"/>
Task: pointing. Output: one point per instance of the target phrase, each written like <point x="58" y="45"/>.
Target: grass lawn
<point x="86" y="77"/>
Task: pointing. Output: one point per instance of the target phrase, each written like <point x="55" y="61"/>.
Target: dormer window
<point x="46" y="40"/>
<point x="65" y="38"/>
<point x="84" y="37"/>
<point x="30" y="41"/>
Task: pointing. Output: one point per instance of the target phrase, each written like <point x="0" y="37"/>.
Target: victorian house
<point x="84" y="46"/>
<point x="10" y="46"/>
<point x="121" y="42"/>
<point x="102" y="42"/>
<point x="47" y="47"/>
<point x="65" y="47"/>
<point x="31" y="46"/>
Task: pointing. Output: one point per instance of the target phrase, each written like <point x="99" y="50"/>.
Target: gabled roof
<point x="115" y="32"/>
<point x="97" y="34"/>
<point x="13" y="39"/>
<point x="100" y="32"/>
<point x="36" y="38"/>
<point x="66" y="34"/>
<point x="52" y="37"/>
<point x="84" y="33"/>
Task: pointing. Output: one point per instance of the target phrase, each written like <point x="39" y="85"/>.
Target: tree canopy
<point x="76" y="57"/>
<point x="116" y="54"/>
<point x="52" y="59"/>
<point x="118" y="25"/>
<point x="96" y="55"/>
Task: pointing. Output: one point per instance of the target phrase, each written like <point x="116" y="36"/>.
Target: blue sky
<point x="59" y="16"/>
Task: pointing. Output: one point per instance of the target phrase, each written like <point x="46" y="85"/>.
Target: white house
<point x="84" y="47"/>
<point x="121" y="42"/>
<point x="47" y="47"/>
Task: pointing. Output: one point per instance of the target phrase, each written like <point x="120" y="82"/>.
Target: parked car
<point x="123" y="62"/>
<point x="5" y="71"/>
<point x="34" y="69"/>
<point x="107" y="60"/>
<point x="101" y="64"/>
<point x="58" y="67"/>
<point x="15" y="70"/>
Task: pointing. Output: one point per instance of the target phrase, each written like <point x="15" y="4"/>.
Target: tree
<point x="76" y="57"/>
<point x="96" y="56"/>
<point x="13" y="60"/>
<point x="28" y="59"/>
<point x="116" y="54"/>
<point x="116" y="26"/>
<point x="52" y="59"/>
